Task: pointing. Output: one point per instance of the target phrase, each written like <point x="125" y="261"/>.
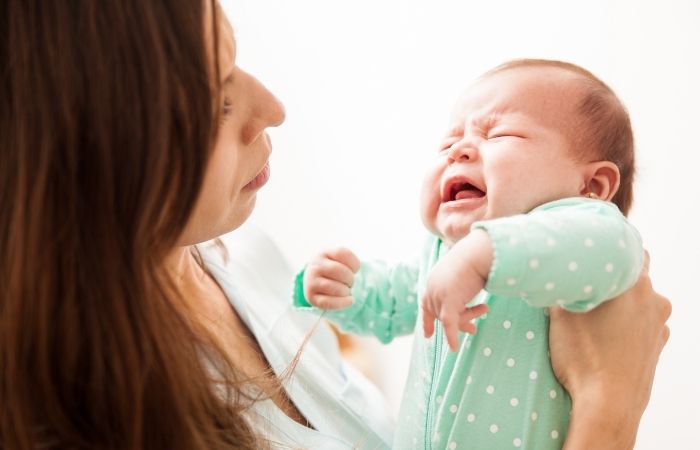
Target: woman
<point x="128" y="134"/>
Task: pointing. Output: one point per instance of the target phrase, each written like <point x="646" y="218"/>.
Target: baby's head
<point x="525" y="133"/>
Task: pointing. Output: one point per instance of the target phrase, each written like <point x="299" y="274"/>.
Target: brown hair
<point x="603" y="129"/>
<point x="107" y="119"/>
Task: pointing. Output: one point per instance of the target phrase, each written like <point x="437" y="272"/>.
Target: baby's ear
<point x="602" y="179"/>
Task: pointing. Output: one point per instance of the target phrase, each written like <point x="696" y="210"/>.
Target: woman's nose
<point x="265" y="110"/>
<point x="270" y="107"/>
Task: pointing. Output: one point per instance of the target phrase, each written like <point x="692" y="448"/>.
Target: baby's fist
<point x="328" y="278"/>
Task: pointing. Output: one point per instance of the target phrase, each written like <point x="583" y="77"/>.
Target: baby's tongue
<point x="468" y="193"/>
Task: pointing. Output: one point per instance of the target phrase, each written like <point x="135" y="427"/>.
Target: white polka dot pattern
<point x="498" y="391"/>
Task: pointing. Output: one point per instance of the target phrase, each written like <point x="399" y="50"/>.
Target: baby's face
<point x="507" y="151"/>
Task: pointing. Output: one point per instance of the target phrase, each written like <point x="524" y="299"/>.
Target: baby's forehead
<point x="544" y="94"/>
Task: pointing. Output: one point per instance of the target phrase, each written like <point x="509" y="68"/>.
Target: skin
<point x="234" y="175"/>
<point x="510" y="137"/>
<point x="503" y="130"/>
<point x="227" y="199"/>
<point x="241" y="151"/>
<point x="594" y="355"/>
<point x="607" y="363"/>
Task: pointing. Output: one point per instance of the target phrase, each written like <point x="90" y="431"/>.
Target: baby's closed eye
<point x="499" y="132"/>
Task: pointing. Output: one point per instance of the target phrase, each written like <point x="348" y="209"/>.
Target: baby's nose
<point x="466" y="149"/>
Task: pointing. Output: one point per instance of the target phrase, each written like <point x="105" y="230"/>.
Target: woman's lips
<point x="260" y="179"/>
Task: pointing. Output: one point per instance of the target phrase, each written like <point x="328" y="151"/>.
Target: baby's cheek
<point x="429" y="205"/>
<point x="428" y="208"/>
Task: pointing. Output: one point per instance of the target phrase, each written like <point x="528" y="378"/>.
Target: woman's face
<point x="238" y="166"/>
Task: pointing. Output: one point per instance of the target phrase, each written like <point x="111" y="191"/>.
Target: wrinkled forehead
<point x="546" y="95"/>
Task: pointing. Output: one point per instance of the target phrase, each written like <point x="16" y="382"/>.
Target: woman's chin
<point x="209" y="228"/>
<point x="241" y="214"/>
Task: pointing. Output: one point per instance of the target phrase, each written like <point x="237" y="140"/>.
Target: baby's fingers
<point x="449" y="324"/>
<point x="344" y="256"/>
<point x="330" y="302"/>
<point x="325" y="286"/>
<point x="467" y="316"/>
<point x="323" y="267"/>
<point x="428" y="320"/>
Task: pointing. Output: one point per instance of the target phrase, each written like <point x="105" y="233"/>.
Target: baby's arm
<point x="573" y="253"/>
<point x="362" y="298"/>
<point x="453" y="282"/>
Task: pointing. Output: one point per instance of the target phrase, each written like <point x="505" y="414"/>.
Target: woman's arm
<point x="606" y="360"/>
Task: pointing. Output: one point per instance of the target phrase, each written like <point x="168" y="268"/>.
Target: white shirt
<point x="346" y="410"/>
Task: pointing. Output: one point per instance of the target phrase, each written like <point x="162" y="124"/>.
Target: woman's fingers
<point x="645" y="265"/>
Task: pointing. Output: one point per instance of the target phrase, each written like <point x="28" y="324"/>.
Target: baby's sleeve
<point x="574" y="253"/>
<point x="385" y="301"/>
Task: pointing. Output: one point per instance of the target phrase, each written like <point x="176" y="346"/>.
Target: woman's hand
<point x="606" y="359"/>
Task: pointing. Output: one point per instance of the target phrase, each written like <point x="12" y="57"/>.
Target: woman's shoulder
<point x="258" y="281"/>
<point x="251" y="269"/>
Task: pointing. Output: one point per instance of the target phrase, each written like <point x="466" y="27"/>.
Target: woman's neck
<point x="211" y="308"/>
<point x="184" y="268"/>
<point x="203" y="297"/>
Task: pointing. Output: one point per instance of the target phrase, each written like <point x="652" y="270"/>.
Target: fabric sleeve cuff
<point x="505" y="237"/>
<point x="299" y="300"/>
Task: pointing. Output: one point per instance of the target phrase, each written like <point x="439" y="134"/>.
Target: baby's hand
<point x="453" y="282"/>
<point x="328" y="279"/>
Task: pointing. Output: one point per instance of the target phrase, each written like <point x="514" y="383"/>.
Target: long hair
<point x="107" y="118"/>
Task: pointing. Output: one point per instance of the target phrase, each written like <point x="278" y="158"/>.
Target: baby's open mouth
<point x="459" y="191"/>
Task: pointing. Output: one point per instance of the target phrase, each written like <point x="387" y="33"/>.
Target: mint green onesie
<point x="498" y="390"/>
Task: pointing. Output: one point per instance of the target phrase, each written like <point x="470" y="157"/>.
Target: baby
<point x="524" y="202"/>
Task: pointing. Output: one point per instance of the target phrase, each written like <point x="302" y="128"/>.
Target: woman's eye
<point x="227" y="107"/>
<point x="226" y="110"/>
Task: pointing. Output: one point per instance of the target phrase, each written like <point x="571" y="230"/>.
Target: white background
<point x="368" y="86"/>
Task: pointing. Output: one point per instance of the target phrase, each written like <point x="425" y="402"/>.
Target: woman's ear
<point x="602" y="178"/>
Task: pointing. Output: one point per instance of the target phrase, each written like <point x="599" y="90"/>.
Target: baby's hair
<point x="603" y="127"/>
